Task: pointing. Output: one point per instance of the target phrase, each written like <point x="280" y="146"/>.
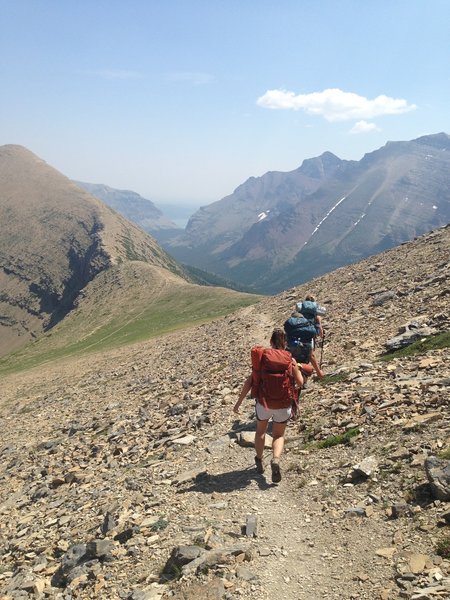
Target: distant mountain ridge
<point x="55" y="239"/>
<point x="225" y="221"/>
<point x="137" y="209"/>
<point x="282" y="229"/>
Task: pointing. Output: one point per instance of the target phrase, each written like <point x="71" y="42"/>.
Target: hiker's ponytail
<point x="278" y="339"/>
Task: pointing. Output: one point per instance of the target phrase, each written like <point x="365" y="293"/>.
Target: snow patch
<point x="325" y="218"/>
<point x="360" y="219"/>
<point x="263" y="215"/>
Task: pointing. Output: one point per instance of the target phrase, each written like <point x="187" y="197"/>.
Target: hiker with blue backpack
<point x="275" y="375"/>
<point x="302" y="329"/>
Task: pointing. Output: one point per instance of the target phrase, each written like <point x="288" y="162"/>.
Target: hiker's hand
<point x="236" y="407"/>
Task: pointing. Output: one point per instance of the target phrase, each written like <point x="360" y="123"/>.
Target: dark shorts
<point x="302" y="352"/>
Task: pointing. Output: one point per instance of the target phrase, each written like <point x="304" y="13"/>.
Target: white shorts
<point x="279" y="415"/>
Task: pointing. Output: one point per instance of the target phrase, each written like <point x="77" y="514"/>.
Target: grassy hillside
<point x="128" y="303"/>
<point x="55" y="238"/>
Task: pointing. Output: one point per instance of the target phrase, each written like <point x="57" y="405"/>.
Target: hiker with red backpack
<point x="302" y="329"/>
<point x="272" y="383"/>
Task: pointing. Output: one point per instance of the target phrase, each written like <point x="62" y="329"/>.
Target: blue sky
<point x="183" y="100"/>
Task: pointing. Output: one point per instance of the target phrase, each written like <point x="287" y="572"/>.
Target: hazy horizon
<point x="182" y="102"/>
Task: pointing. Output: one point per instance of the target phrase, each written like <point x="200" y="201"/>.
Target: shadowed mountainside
<point x="55" y="240"/>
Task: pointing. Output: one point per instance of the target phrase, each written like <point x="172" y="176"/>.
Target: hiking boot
<point x="276" y="471"/>
<point x="259" y="465"/>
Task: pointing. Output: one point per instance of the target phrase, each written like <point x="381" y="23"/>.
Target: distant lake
<point x="178" y="213"/>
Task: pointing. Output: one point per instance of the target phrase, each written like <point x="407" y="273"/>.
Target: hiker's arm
<point x="315" y="365"/>
<point x="297" y="374"/>
<point x="245" y="390"/>
<point x="319" y="324"/>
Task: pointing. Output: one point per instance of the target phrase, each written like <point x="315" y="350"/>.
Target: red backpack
<point x="272" y="377"/>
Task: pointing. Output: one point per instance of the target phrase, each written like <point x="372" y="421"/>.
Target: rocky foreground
<point x="126" y="475"/>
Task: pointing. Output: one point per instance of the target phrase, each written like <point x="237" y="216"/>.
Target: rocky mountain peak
<point x="321" y="166"/>
<point x="440" y="141"/>
<point x="325" y="214"/>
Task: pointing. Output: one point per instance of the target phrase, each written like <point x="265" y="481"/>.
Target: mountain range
<point x="282" y="229"/>
<point x="137" y="209"/>
<point x="64" y="252"/>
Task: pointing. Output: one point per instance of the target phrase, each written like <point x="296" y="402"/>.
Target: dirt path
<point x="306" y="548"/>
<point x="120" y="417"/>
<point x="285" y="561"/>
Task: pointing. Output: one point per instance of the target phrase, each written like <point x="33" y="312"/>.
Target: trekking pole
<point x="321" y="350"/>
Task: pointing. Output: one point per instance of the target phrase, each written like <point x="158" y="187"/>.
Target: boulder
<point x="438" y="473"/>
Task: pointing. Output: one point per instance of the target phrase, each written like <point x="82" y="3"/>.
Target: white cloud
<point x="335" y="105"/>
<point x="363" y="127"/>
<point x="195" y="78"/>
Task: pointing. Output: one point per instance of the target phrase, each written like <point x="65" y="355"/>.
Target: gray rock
<point x="219" y="446"/>
<point x="22" y="581"/>
<point x="363" y="470"/>
<point x="211" y="558"/>
<point x="180" y="556"/>
<point x="186" y="440"/>
<point x="355" y="512"/>
<point x="438" y="473"/>
<point x="251" y="527"/>
<point x="409" y="337"/>
<point x="109" y="523"/>
<point x="245" y="574"/>
<point x="401" y="510"/>
<point x="99" y="548"/>
<point x="189" y="475"/>
<point x="366" y="468"/>
<point x="90" y="568"/>
<point x="140" y="595"/>
<point x="382" y="298"/>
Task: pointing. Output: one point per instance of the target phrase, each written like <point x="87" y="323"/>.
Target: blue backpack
<point x="308" y="308"/>
<point x="300" y="330"/>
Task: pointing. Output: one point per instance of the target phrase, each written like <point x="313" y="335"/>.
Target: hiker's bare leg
<point x="260" y="437"/>
<point x="315" y="365"/>
<point x="278" y="430"/>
